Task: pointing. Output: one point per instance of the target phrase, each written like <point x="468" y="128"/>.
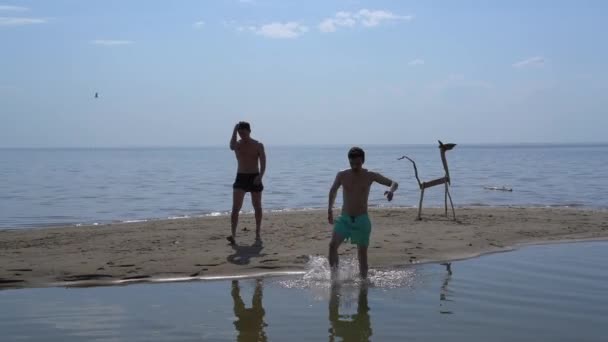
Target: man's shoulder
<point x="256" y="143"/>
<point x="374" y="174"/>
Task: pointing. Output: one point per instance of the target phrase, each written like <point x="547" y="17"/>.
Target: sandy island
<point x="197" y="247"/>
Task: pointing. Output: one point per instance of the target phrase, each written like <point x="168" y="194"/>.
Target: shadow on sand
<point x="242" y="254"/>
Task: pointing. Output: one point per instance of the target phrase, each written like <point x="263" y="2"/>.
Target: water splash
<point x="318" y="276"/>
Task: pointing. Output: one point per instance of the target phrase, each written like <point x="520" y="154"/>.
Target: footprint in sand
<point x="80" y="277"/>
<point x="266" y="267"/>
<point x="268" y="260"/>
<point x="209" y="265"/>
<point x="136" y="277"/>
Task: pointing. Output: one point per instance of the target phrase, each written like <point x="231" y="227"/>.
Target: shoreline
<point x="107" y="222"/>
<point x="125" y="282"/>
<point x="195" y="248"/>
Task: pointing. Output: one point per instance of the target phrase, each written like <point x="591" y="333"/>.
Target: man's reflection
<point x="355" y="327"/>
<point x="250" y="322"/>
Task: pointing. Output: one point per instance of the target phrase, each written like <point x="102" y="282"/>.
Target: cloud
<point x="19" y="21"/>
<point x="415" y="62"/>
<point x="532" y="61"/>
<point x="374" y="18"/>
<point x="363" y="17"/>
<point x="105" y="42"/>
<point x="13" y="8"/>
<point x="199" y="24"/>
<point x="344" y="19"/>
<point x="277" y="30"/>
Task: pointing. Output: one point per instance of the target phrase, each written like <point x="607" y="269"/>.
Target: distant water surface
<point x="40" y="187"/>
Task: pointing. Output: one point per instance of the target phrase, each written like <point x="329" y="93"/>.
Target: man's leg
<point x="336" y="241"/>
<point x="362" y="254"/>
<point x="239" y="305"/>
<point x="256" y="201"/>
<point x="237" y="202"/>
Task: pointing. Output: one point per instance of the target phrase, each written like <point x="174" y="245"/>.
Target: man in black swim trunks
<point x="249" y="153"/>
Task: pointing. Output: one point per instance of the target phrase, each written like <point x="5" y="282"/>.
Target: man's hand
<point x="330" y="216"/>
<point x="389" y="195"/>
<point x="257" y="180"/>
<point x="236" y="127"/>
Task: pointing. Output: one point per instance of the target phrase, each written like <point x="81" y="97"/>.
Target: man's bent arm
<point x="385" y="181"/>
<point x="333" y="191"/>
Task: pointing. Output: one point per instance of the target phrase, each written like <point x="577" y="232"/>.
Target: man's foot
<point x="231" y="240"/>
<point x="258" y="241"/>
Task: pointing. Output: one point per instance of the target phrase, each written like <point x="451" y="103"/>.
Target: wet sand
<point x="196" y="248"/>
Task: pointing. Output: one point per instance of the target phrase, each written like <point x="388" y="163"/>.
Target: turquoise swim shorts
<point x="354" y="228"/>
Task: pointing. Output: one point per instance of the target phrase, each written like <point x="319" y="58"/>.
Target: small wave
<point x="566" y="205"/>
<point x="134" y="221"/>
<point x="181" y="217"/>
<point x="284" y="210"/>
<point x="87" y="224"/>
<point x="476" y="204"/>
<point x="216" y="213"/>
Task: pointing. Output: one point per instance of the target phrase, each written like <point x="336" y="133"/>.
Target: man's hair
<point x="355" y="152"/>
<point x="244" y="125"/>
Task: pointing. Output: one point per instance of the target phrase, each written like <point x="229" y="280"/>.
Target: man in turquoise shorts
<point x="354" y="224"/>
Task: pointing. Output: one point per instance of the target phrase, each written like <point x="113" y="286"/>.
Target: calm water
<point x="71" y="186"/>
<point x="542" y="293"/>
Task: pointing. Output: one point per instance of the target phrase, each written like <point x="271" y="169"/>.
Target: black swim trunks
<point x="244" y="181"/>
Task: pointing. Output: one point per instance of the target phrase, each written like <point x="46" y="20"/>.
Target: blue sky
<point x="181" y="73"/>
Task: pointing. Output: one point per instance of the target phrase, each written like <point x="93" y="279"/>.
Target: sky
<point x="182" y="73"/>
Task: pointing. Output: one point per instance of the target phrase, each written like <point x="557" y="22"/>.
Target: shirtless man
<point x="248" y="178"/>
<point x="353" y="223"/>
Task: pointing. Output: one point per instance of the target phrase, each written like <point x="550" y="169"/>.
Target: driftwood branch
<point x="434" y="182"/>
<point x="415" y="169"/>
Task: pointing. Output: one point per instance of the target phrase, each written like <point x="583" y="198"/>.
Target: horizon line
<point x="476" y="144"/>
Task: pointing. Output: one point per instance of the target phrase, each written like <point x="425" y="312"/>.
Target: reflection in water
<point x="250" y="322"/>
<point x="443" y="295"/>
<point x="355" y="327"/>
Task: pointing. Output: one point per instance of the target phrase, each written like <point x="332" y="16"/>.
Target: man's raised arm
<point x="233" y="139"/>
